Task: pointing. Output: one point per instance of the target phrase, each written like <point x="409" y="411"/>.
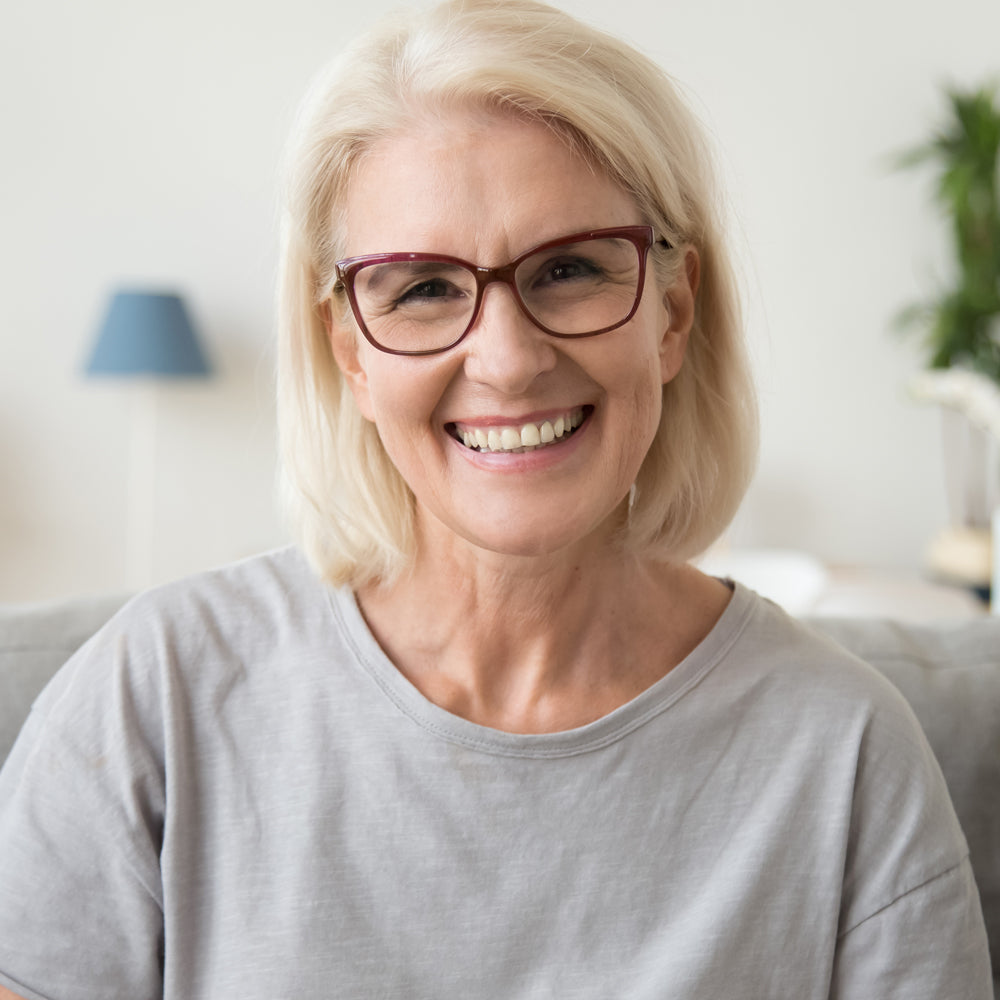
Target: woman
<point x="495" y="737"/>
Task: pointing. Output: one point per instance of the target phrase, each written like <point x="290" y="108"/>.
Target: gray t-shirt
<point x="230" y="792"/>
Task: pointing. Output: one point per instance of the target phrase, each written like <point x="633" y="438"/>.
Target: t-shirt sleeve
<point x="81" y="820"/>
<point x="911" y="925"/>
<point x="927" y="945"/>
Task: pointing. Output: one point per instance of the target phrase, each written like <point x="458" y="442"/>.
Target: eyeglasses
<point x="422" y="303"/>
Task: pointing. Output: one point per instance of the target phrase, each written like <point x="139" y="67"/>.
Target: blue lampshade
<point x="147" y="333"/>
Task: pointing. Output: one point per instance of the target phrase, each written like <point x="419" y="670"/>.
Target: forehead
<point x="482" y="187"/>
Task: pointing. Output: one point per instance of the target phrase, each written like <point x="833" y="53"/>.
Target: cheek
<point x="647" y="382"/>
<point x="648" y="407"/>
<point x="404" y="394"/>
<point x="636" y="396"/>
<point x="391" y="410"/>
<point x="648" y="403"/>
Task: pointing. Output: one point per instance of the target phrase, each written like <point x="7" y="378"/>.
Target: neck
<point x="531" y="644"/>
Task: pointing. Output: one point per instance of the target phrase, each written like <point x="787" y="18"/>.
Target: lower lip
<point x="524" y="461"/>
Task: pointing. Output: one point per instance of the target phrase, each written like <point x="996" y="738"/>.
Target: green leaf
<point x="960" y="326"/>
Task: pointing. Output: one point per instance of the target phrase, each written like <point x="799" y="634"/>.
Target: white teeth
<point x="530" y="436"/>
<point x="509" y="439"/>
<point x="527" y="437"/>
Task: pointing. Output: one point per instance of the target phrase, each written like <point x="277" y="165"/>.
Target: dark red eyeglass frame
<point x="640" y="236"/>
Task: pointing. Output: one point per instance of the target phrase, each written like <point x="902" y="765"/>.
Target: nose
<point x="504" y="349"/>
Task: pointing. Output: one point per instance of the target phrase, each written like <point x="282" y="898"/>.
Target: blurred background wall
<point x="141" y="144"/>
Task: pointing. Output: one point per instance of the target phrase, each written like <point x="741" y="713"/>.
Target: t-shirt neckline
<point x="617" y="724"/>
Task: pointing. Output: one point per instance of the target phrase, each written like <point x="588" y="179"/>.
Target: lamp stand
<point x="141" y="484"/>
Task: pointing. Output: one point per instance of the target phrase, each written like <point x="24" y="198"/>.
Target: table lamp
<point x="145" y="337"/>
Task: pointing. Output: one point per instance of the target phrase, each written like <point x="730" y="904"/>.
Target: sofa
<point x="949" y="673"/>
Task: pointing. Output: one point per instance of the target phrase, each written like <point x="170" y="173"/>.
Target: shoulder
<point x="254" y="591"/>
<point x="809" y="698"/>
<point x="901" y="829"/>
<point x="206" y="629"/>
<point x="787" y="660"/>
<point x="266" y="595"/>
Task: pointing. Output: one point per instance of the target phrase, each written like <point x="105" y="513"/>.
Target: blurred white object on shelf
<point x="962" y="555"/>
<point x="792" y="579"/>
<point x="803" y="585"/>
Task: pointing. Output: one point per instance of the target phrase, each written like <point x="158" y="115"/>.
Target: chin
<point x="538" y="540"/>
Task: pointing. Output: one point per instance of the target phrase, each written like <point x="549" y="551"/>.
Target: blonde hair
<point x="349" y="506"/>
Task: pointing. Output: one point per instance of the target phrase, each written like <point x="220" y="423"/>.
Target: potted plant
<point x="961" y="326"/>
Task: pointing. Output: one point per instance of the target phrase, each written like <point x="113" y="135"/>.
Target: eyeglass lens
<point x="572" y="289"/>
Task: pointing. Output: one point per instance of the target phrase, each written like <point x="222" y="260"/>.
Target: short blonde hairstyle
<point x="349" y="506"/>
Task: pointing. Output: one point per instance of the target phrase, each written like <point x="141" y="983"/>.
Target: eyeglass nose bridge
<point x="503" y="275"/>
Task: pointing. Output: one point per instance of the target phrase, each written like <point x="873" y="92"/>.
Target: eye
<point x="430" y="288"/>
<point x="561" y="274"/>
<point x="568" y="268"/>
<point x="411" y="286"/>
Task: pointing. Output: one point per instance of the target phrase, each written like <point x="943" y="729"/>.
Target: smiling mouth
<point x="518" y="438"/>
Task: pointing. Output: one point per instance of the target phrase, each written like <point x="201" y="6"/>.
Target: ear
<point x="679" y="302"/>
<point x="344" y="344"/>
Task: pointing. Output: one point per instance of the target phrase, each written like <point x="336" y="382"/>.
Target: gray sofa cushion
<point x="950" y="674"/>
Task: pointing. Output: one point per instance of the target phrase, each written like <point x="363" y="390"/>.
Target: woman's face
<point x="485" y="189"/>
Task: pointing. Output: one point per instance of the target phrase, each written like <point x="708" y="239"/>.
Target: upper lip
<point x="534" y="417"/>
